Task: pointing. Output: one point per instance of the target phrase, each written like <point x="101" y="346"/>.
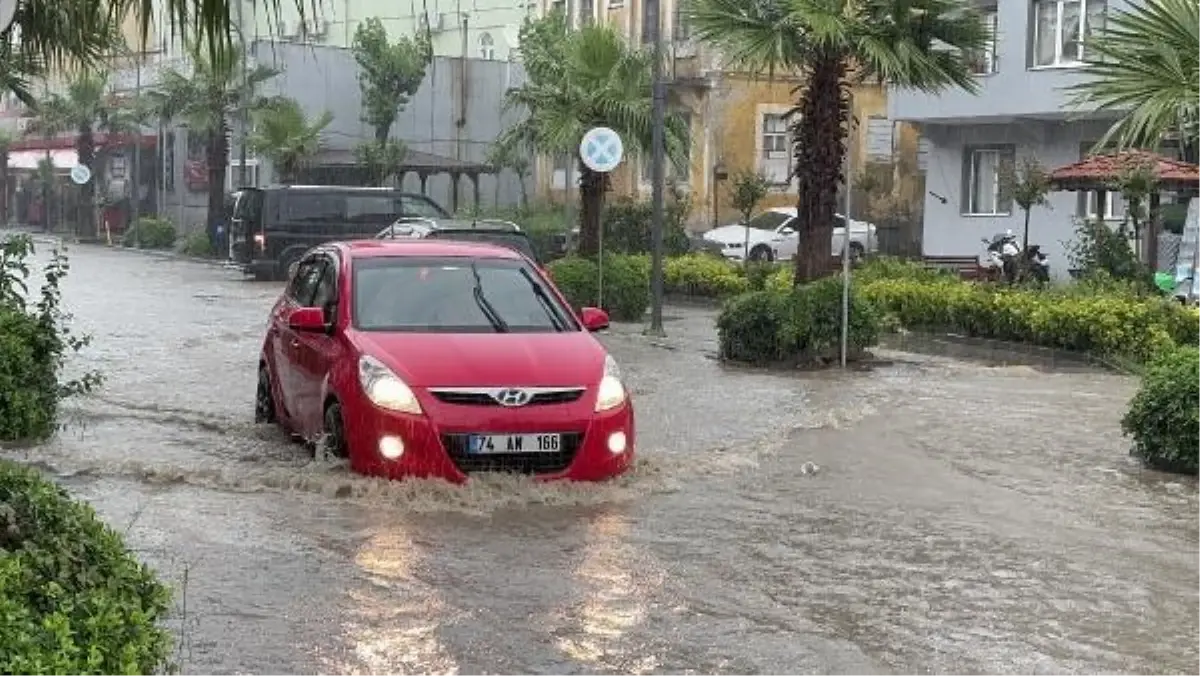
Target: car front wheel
<point x="761" y="254"/>
<point x="264" y="398"/>
<point x="334" y="441"/>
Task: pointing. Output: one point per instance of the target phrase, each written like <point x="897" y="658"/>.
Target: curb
<point x="154" y="253"/>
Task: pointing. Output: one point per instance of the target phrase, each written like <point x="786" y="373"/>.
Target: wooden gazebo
<point x="1101" y="173"/>
<point x="341" y="167"/>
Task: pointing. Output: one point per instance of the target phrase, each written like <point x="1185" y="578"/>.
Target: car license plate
<point x="483" y="444"/>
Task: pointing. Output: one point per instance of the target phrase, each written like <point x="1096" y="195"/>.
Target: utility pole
<point x="135" y="198"/>
<point x="657" y="152"/>
<point x="242" y="102"/>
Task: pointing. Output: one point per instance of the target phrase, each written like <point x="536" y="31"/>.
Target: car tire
<point x="334" y="440"/>
<point x="857" y="253"/>
<point x="761" y="254"/>
<point x="264" y="398"/>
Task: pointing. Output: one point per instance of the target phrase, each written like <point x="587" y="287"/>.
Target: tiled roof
<point x="1098" y="170"/>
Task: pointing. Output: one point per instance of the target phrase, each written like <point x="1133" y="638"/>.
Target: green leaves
<point x="285" y="135"/>
<point x="1164" y="417"/>
<point x="389" y="73"/>
<point x="1145" y="64"/>
<point x="381" y="159"/>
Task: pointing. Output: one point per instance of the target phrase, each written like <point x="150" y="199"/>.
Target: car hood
<point x="736" y="234"/>
<point x="568" y="359"/>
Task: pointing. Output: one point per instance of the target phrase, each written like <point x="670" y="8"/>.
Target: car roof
<point x="383" y="248"/>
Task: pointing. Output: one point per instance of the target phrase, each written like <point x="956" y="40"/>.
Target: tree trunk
<point x="819" y="148"/>
<point x="524" y="191"/>
<point x="4" y="187"/>
<point x="591" y="203"/>
<point x="85" y="149"/>
<point x="217" y="156"/>
<point x="1025" y="236"/>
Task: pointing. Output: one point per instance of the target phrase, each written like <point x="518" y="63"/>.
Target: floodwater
<point x="929" y="515"/>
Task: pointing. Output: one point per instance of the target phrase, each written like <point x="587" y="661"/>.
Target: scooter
<point x="1004" y="254"/>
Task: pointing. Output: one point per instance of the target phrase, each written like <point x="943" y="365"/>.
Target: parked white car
<point x="773" y="237"/>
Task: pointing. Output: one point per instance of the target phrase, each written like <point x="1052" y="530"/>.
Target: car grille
<point x="464" y="398"/>
<point x="521" y="463"/>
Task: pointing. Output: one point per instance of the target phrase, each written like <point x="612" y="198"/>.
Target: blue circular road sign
<point x="601" y="149"/>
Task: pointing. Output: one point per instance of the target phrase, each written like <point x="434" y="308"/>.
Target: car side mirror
<point x="594" y="319"/>
<point x="307" y="319"/>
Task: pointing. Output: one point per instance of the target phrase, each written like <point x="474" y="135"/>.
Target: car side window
<point x="304" y="284"/>
<point x="325" y="294"/>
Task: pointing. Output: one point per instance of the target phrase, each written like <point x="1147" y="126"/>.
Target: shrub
<point x="626" y="284"/>
<point x="703" y="275"/>
<point x="1164" y="417"/>
<point x="1122" y="326"/>
<point x="757" y="274"/>
<point x="73" y="598"/>
<point x="801" y="324"/>
<point x="34" y="344"/>
<point x="627" y="226"/>
<point x="1100" y="250"/>
<point x="150" y="233"/>
<point x="197" y="244"/>
<point x="886" y="267"/>
<point x="750" y="327"/>
<point x="780" y="280"/>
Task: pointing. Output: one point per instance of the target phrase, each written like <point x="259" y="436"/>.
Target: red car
<point x="436" y="358"/>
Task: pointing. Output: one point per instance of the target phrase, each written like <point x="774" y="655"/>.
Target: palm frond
<point x="1144" y="64"/>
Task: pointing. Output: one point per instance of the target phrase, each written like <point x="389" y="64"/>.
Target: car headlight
<point x="612" y="391"/>
<point x="384" y="388"/>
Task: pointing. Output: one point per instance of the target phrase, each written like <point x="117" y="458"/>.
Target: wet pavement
<point x="928" y="515"/>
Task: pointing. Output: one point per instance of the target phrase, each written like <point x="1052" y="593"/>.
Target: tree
<point x="1144" y="63"/>
<point x="388" y="76"/>
<point x="1029" y="184"/>
<point x="205" y="99"/>
<point x="749" y="188"/>
<point x="284" y="135"/>
<point x="917" y="44"/>
<point x="500" y="157"/>
<point x="577" y="80"/>
<point x="87" y="107"/>
<point x="6" y="140"/>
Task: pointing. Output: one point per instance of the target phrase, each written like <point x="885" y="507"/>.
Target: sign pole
<point x="601" y="151"/>
<point x="658" y="115"/>
<point x="846" y="261"/>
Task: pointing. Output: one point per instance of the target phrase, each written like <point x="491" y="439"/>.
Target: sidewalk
<point x="49" y="239"/>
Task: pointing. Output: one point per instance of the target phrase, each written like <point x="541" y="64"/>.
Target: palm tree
<point x="86" y="107"/>
<point x="6" y="140"/>
<point x="578" y="80"/>
<point x="918" y="44"/>
<point x="285" y="136"/>
<point x="1145" y="63"/>
<point x="205" y="99"/>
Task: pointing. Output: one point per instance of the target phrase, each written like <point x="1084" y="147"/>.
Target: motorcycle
<point x="1005" y="255"/>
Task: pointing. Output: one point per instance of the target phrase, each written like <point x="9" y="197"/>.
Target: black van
<point x="273" y="226"/>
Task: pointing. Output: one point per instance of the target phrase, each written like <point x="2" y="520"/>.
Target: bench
<point x="966" y="267"/>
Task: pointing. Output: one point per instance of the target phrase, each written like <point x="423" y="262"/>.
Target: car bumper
<point x="435" y="443"/>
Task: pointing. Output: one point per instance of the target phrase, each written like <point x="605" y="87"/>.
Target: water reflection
<point x="397" y="618"/>
<point x="615" y="585"/>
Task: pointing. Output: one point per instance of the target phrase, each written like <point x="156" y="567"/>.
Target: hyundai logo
<point x="512" y="397"/>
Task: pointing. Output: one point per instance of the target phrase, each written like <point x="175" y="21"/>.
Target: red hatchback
<point x="433" y="358"/>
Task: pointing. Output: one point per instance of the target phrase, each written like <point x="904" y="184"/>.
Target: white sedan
<point x="773" y="237"/>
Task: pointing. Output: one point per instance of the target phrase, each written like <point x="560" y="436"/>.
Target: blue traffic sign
<point x="601" y="149"/>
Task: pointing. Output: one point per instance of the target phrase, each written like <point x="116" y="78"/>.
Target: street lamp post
<point x="658" y="120"/>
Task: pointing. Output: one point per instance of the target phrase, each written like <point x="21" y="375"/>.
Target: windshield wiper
<point x="540" y="291"/>
<point x="482" y="301"/>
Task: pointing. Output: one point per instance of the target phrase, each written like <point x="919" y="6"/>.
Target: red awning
<point x="68" y="142"/>
<point x="1096" y="171"/>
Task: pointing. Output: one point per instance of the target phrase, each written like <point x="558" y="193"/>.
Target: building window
<point x="776" y="160"/>
<point x="487" y="47"/>
<point x="1060" y="28"/>
<point x="587" y="12"/>
<point x="1114" y="206"/>
<point x="681" y="30"/>
<point x="986" y="194"/>
<point x="984" y="61"/>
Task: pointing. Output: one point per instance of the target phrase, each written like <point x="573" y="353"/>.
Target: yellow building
<point x="737" y="121"/>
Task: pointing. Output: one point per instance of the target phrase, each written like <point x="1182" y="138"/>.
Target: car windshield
<point x="454" y="295"/>
<point x="769" y="220"/>
<point x="513" y="240"/>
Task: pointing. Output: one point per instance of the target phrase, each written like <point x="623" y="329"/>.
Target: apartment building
<point x="736" y="119"/>
<point x="1022" y="109"/>
<point x="480" y="29"/>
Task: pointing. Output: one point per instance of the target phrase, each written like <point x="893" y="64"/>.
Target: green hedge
<point x="626" y="284"/>
<point x="1164" y="417"/>
<point x="150" y="233"/>
<point x="801" y="325"/>
<point x="703" y="276"/>
<point x="73" y="599"/>
<point x="1125" y="327"/>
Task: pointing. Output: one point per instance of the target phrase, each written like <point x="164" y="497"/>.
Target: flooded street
<point x="931" y="515"/>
